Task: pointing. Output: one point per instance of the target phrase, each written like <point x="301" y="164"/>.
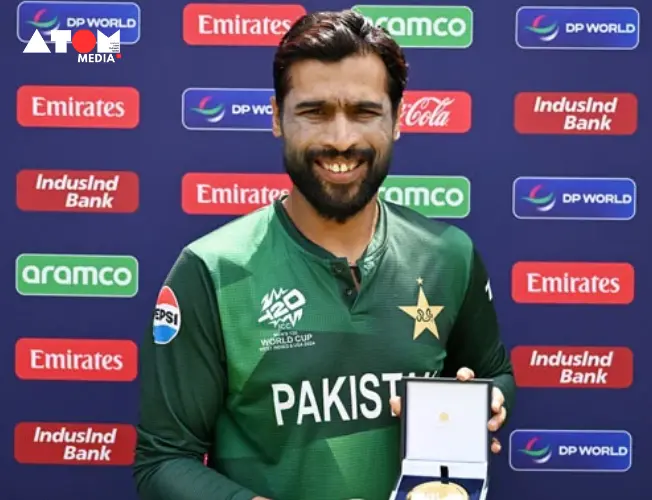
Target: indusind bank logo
<point x="74" y="443"/>
<point x="77" y="191"/>
<point x="573" y="367"/>
<point x="576" y="113"/>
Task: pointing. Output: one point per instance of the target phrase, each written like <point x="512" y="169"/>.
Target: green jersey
<point x="271" y="356"/>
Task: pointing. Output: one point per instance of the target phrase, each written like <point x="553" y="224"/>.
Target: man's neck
<point x="349" y="239"/>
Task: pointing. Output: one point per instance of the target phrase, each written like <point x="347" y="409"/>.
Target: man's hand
<point x="497" y="406"/>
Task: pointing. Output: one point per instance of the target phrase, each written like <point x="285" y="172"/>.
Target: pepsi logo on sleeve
<point x="167" y="317"/>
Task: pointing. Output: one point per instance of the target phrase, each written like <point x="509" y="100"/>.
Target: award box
<point x="444" y="438"/>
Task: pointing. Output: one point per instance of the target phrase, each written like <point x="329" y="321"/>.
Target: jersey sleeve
<point x="475" y="340"/>
<point x="182" y="391"/>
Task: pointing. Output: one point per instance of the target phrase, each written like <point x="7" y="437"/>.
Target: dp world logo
<point x="105" y="16"/>
<point x="539" y="200"/>
<point x="213" y="114"/>
<point x="545" y="29"/>
<point x="42" y="20"/>
<point x="535" y="451"/>
<point x="570" y="450"/>
<point x="574" y="198"/>
<point x="244" y="110"/>
<point x="577" y="28"/>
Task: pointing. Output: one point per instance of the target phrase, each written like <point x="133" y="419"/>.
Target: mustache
<point x="365" y="154"/>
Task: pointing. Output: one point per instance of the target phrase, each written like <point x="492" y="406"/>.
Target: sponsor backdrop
<point x="526" y="126"/>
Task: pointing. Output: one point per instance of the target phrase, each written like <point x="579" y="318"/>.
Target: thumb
<point x="465" y="374"/>
<point x="395" y="404"/>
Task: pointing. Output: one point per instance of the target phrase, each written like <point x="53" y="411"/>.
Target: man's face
<point x="338" y="133"/>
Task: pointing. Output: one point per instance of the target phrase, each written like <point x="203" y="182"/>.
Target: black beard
<point x="338" y="206"/>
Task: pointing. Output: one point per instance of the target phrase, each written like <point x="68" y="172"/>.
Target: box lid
<point x="445" y="420"/>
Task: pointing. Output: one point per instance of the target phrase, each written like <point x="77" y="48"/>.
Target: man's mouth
<point x="339" y="166"/>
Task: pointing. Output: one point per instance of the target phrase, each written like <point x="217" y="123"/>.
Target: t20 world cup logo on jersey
<point x="167" y="317"/>
<point x="282" y="309"/>
<point x="243" y="110"/>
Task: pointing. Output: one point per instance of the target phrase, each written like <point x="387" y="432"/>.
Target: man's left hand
<point x="497" y="406"/>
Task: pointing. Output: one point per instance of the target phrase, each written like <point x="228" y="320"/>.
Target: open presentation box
<point x="445" y="442"/>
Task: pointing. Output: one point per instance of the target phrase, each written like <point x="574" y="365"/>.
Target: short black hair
<point x="332" y="36"/>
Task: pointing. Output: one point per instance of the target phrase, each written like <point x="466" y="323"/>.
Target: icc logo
<point x="83" y="41"/>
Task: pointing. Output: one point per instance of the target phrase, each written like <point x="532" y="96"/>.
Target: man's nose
<point x="341" y="133"/>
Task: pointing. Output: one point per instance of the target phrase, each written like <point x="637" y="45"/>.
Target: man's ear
<point x="276" y="118"/>
<point x="397" y="125"/>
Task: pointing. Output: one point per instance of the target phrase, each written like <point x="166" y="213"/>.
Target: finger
<point x="497" y="421"/>
<point x="497" y="399"/>
<point x="395" y="404"/>
<point x="464" y="374"/>
<point x="495" y="446"/>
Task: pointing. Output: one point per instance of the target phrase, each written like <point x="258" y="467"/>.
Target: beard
<point x="337" y="202"/>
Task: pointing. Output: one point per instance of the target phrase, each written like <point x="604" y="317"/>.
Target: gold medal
<point x="436" y="490"/>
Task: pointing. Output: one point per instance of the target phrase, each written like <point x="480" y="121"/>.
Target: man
<point x="280" y="338"/>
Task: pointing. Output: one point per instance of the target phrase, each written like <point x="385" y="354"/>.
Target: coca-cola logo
<point x="427" y="111"/>
<point x="436" y="112"/>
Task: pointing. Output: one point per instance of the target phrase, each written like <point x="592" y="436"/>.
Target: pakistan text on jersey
<point x="322" y="402"/>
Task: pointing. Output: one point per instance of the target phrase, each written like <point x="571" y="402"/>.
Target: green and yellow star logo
<point x="423" y="314"/>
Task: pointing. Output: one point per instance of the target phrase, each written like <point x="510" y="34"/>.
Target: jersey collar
<point x="368" y="260"/>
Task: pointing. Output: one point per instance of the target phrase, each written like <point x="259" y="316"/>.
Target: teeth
<point x="339" y="167"/>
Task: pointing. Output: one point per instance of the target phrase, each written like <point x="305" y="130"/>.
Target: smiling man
<point x="279" y="339"/>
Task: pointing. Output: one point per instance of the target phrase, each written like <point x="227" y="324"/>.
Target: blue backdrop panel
<point x="511" y="221"/>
